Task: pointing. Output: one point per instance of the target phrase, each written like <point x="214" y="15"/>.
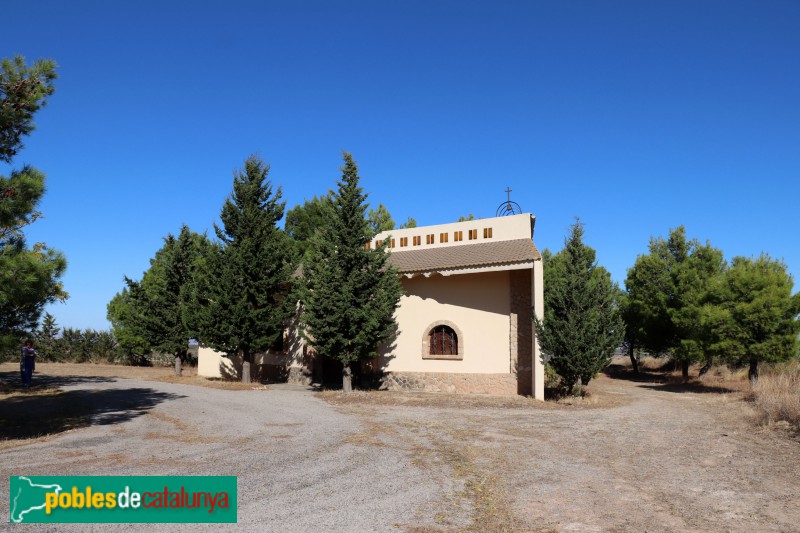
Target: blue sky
<point x="635" y="116"/>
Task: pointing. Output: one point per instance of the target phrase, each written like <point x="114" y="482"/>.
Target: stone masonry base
<point x="501" y="384"/>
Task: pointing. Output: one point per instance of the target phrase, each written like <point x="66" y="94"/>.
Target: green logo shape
<point x="122" y="499"/>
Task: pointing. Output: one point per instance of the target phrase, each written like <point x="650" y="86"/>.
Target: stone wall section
<point x="500" y="384"/>
<point x="299" y="375"/>
<point x="520" y="334"/>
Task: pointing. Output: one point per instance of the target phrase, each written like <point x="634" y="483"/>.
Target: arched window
<point x="443" y="340"/>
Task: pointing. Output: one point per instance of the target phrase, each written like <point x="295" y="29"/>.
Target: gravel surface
<point x="658" y="460"/>
<point x="296" y="471"/>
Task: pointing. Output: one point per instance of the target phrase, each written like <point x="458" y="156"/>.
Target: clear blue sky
<point x="635" y="116"/>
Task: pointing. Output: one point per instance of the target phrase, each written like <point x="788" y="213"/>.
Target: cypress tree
<point x="582" y="323"/>
<point x="350" y="292"/>
<point x="156" y="305"/>
<point x="245" y="292"/>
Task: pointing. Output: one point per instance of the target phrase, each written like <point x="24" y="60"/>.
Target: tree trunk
<point x="178" y="365"/>
<point x="685" y="369"/>
<point x="707" y="366"/>
<point x="577" y="387"/>
<point x="246" y="367"/>
<point x="634" y="360"/>
<point x="753" y="373"/>
<point x="347" y="378"/>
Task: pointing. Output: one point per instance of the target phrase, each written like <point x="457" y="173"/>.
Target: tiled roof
<point x="466" y="255"/>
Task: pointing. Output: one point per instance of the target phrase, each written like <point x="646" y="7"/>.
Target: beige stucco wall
<point x="478" y="304"/>
<point x="213" y="364"/>
<point x="503" y="229"/>
<point x="538" y="309"/>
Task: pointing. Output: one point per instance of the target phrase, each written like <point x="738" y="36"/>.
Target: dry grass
<point x="96" y="370"/>
<point x="719" y="378"/>
<point x="178" y="430"/>
<point x="776" y="396"/>
<point x="435" y="445"/>
<point x="431" y="399"/>
<point x="211" y="383"/>
<point x="8" y="390"/>
<point x="163" y="374"/>
<point x="442" y="400"/>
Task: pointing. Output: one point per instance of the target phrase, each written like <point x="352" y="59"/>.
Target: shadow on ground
<point x="691" y="386"/>
<point x="663" y="381"/>
<point x="12" y="380"/>
<point x="618" y="371"/>
<point x="45" y="411"/>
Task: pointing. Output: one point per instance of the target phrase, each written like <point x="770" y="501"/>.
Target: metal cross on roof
<point x="508" y="207"/>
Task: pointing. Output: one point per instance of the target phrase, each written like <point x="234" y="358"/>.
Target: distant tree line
<point x="73" y="345"/>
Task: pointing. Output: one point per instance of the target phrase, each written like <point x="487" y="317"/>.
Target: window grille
<point x="443" y="340"/>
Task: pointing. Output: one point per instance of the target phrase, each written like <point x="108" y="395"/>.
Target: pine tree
<point x="410" y="222"/>
<point x="582" y="323"/>
<point x="23" y="91"/>
<point x="762" y="321"/>
<point x="29" y="275"/>
<point x="350" y="292"/>
<point x="634" y="332"/>
<point x="303" y="221"/>
<point x="247" y="300"/>
<point x="667" y="303"/>
<point x="379" y="219"/>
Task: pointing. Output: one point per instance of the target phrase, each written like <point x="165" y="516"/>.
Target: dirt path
<point x="658" y="461"/>
<point x="662" y="461"/>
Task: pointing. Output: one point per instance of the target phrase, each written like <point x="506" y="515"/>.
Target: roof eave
<point x="472" y="269"/>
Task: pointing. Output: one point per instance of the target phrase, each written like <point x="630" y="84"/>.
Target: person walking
<point x="28" y="363"/>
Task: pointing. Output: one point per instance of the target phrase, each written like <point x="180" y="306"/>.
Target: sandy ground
<point x="656" y="459"/>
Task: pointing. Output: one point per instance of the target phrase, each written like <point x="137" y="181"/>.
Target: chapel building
<point x="464" y="323"/>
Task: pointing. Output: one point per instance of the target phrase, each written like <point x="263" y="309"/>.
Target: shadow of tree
<point x="617" y="371"/>
<point x="47" y="411"/>
<point x="659" y="380"/>
<point x="690" y="386"/>
<point x="12" y="379"/>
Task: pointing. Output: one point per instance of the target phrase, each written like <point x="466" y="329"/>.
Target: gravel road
<point x="661" y="460"/>
<point x="296" y="472"/>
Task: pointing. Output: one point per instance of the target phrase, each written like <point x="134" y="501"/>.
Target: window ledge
<point x="458" y="357"/>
